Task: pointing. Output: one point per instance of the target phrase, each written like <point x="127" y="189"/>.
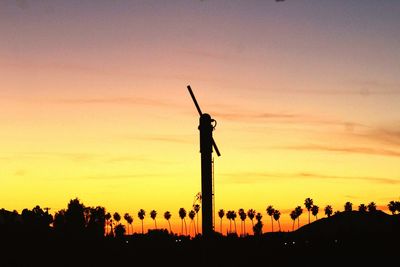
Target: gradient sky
<point x="94" y="103"/>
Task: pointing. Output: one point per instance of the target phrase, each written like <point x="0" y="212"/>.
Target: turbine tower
<point x="206" y="127"/>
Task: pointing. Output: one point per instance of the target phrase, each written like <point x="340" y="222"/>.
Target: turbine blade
<point x="216" y="148"/>
<point x="194" y="100"/>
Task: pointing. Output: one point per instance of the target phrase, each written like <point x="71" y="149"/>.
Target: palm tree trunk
<point x="298" y="223"/>
<point x="195" y="229"/>
<point x="169" y="226"/>
<point x="244" y="228"/>
<point x="293" y="225"/>
<point x="142" y="228"/>
<point x="308" y="217"/>
<point x="182" y="227"/>
<point x="155" y="223"/>
<point x="234" y="221"/>
<point x="220" y="225"/>
<point x="230" y="226"/>
<point x="279" y="226"/>
<point x="272" y="223"/>
<point x="185" y="226"/>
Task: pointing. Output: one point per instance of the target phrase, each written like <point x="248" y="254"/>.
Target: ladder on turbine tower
<point x="213" y="198"/>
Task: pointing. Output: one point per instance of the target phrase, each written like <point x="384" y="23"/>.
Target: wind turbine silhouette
<point x="206" y="127"/>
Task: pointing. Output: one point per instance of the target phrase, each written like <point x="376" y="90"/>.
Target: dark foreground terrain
<point x="345" y="239"/>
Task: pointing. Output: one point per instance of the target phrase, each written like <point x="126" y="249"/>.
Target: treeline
<point x="95" y="222"/>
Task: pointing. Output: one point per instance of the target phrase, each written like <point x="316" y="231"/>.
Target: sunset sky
<point x="94" y="103"/>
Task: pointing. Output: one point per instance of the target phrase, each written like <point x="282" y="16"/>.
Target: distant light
<point x="294" y="242"/>
<point x="285" y="243"/>
<point x="127" y="241"/>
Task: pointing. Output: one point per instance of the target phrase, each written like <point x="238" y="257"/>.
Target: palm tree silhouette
<point x="242" y="216"/>
<point x="234" y="215"/>
<point x="371" y="207"/>
<point x="392" y="207"/>
<point x="293" y="216"/>
<point x="259" y="225"/>
<point x="362" y="208"/>
<point x="196" y="208"/>
<point x="308" y="203"/>
<point x="221" y="214"/>
<point x="328" y="210"/>
<point x="153" y="215"/>
<point x="167" y="216"/>
<point x="192" y="214"/>
<point x="129" y="220"/>
<point x="141" y="214"/>
<point x="182" y="215"/>
<point x="298" y="211"/>
<point x="348" y="206"/>
<point x="251" y="213"/>
<point x="108" y="221"/>
<point x="229" y="217"/>
<point x="314" y="211"/>
<point x="117" y="218"/>
<point x="277" y="215"/>
<point x="270" y="211"/>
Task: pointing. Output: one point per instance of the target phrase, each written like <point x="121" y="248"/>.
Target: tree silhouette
<point x="348" y="206"/>
<point x="242" y="216"/>
<point x="128" y="218"/>
<point x="196" y="208"/>
<point x="298" y="211"/>
<point x="74" y="217"/>
<point x="119" y="231"/>
<point x="328" y="210"/>
<point x="314" y="211"/>
<point x="117" y="217"/>
<point x="277" y="215"/>
<point x="308" y="203"/>
<point x="251" y="213"/>
<point x="233" y="216"/>
<point x="229" y="217"/>
<point x="167" y="216"/>
<point x="257" y="229"/>
<point x="96" y="222"/>
<point x="392" y="206"/>
<point x="293" y="216"/>
<point x="397" y="205"/>
<point x="192" y="214"/>
<point x="108" y="222"/>
<point x="362" y="208"/>
<point x="182" y="215"/>
<point x="270" y="211"/>
<point x="141" y="214"/>
<point x="59" y="221"/>
<point x="221" y="214"/>
<point x="153" y="215"/>
<point x="371" y="207"/>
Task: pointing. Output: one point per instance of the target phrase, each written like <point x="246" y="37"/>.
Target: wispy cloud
<point x="287" y="118"/>
<point x="38" y="155"/>
<point x="161" y="138"/>
<point x="257" y="177"/>
<point x="119" y="176"/>
<point x="115" y="101"/>
<point x="246" y="116"/>
<point x="354" y="150"/>
<point x="353" y="88"/>
<point x="387" y="135"/>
